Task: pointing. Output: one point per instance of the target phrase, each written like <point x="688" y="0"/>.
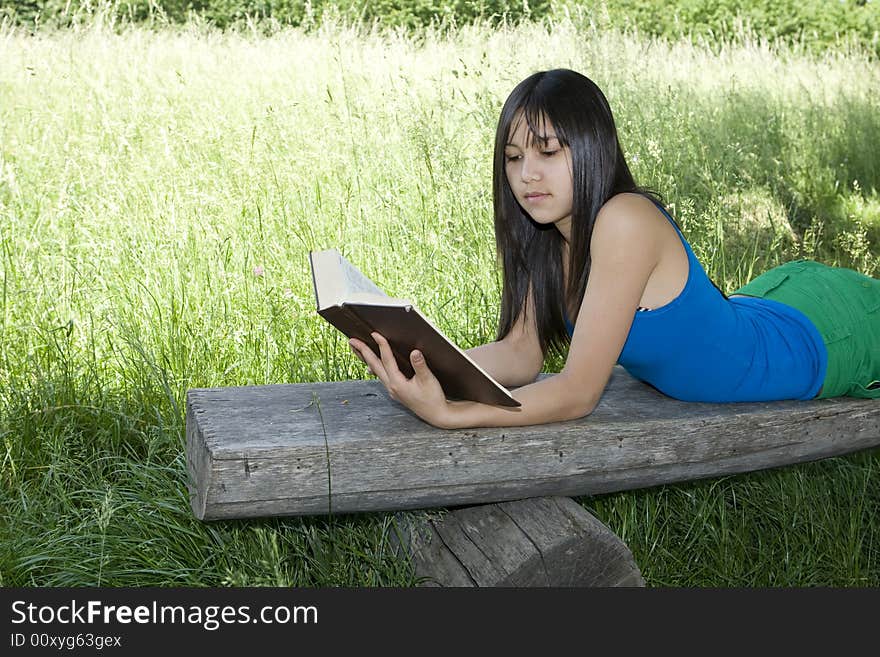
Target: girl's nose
<point x="530" y="169"/>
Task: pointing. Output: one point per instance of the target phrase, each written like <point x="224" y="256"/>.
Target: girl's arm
<point x="505" y="363"/>
<point x="625" y="250"/>
<point x="516" y="359"/>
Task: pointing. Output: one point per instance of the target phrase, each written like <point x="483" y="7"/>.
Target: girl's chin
<point x="544" y="220"/>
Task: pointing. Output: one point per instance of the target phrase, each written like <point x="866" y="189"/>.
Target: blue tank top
<point x="704" y="347"/>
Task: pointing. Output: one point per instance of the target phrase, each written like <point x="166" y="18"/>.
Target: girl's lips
<point x="535" y="196"/>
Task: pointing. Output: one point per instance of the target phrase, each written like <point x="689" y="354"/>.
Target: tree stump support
<point x="543" y="541"/>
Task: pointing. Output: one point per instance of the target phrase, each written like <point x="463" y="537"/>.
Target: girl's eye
<point x="512" y="158"/>
<point x="549" y="153"/>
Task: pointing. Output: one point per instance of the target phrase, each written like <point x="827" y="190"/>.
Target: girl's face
<point x="539" y="172"/>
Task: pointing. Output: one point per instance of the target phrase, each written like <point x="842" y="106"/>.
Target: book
<point x="353" y="304"/>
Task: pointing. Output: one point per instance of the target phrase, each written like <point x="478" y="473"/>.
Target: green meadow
<point x="160" y="190"/>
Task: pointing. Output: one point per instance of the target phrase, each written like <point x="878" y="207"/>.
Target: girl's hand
<point x="422" y="394"/>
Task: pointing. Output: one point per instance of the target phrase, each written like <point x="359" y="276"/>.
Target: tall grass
<point x="160" y="190"/>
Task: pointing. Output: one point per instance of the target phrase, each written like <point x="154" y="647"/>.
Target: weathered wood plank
<point x="548" y="541"/>
<point x="299" y="449"/>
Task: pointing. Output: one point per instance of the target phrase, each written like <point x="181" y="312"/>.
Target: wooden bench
<point x="345" y="447"/>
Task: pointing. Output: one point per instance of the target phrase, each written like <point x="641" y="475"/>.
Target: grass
<point x="160" y="189"/>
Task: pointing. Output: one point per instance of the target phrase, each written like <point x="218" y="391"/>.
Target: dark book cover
<point x="406" y="329"/>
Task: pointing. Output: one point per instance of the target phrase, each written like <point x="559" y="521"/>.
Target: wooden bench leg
<point x="543" y="541"/>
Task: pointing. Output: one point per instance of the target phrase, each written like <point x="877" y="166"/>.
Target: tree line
<point x="817" y="24"/>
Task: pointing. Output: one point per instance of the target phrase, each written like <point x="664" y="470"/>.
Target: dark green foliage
<point x="818" y="24"/>
<point x="225" y="13"/>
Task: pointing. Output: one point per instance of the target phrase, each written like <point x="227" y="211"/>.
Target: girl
<point x="579" y="239"/>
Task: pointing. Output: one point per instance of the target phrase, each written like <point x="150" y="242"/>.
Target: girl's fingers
<point x="356" y="353"/>
<point x="374" y="365"/>
<point x="359" y="348"/>
<point x="388" y="361"/>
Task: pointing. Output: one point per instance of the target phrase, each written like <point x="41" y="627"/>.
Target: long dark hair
<point x="531" y="253"/>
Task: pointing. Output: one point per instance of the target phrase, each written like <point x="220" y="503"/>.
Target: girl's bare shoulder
<point x="628" y="216"/>
<point x="629" y="204"/>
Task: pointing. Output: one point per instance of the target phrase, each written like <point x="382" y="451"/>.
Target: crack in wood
<point x="530" y="540"/>
<point x="455" y="519"/>
<point x="452" y="553"/>
<point x="317" y="401"/>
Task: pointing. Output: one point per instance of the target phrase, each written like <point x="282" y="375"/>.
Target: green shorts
<point x="845" y="307"/>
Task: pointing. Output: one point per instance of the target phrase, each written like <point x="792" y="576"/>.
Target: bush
<point x="224" y="13"/>
<point x="817" y="24"/>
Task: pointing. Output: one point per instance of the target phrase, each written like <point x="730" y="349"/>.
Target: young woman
<point x="579" y="239"/>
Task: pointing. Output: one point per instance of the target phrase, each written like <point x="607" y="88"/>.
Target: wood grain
<point x="346" y="447"/>
<point x="547" y="541"/>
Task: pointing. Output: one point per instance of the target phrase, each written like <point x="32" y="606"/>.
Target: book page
<point x="355" y="281"/>
<point x="335" y="280"/>
<point x="375" y="300"/>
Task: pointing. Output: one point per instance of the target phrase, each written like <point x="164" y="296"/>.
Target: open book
<point x="353" y="304"/>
